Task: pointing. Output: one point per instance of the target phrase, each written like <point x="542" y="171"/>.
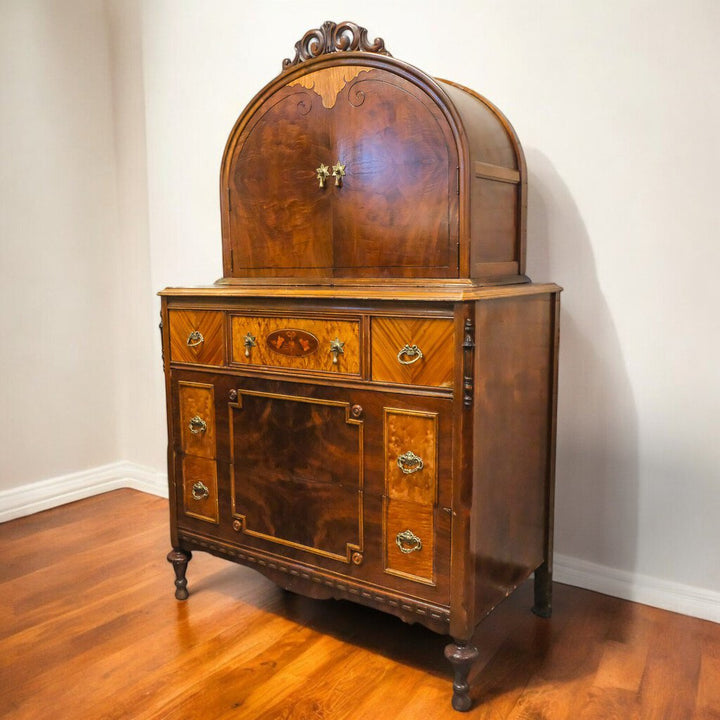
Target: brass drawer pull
<point x="249" y="342"/>
<point x="409" y="351"/>
<point x="195" y="338"/>
<point x="410" y="463"/>
<point x="408" y="542"/>
<point x="323" y="173"/>
<point x="339" y="173"/>
<point x="200" y="491"/>
<point x="197" y="425"/>
<point x="336" y="348"/>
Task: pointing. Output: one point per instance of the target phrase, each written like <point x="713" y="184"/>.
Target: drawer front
<point x="197" y="419"/>
<point x="326" y="345"/>
<point x="411" y="455"/>
<point x="410" y="540"/>
<point x="411" y="489"/>
<point x="200" y="493"/>
<point x="413" y="351"/>
<point x="197" y="336"/>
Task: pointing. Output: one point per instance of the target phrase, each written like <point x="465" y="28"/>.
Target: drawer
<point x="413" y="351"/>
<point x="197" y="336"/>
<point x="197" y="419"/>
<point x="411" y="450"/>
<point x="299" y="343"/>
<point x="200" y="493"/>
<point x="410" y="541"/>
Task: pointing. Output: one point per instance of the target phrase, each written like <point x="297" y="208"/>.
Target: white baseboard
<point x="666" y="594"/>
<point x="46" y="494"/>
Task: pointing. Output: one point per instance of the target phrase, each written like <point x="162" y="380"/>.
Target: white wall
<point x="617" y="106"/>
<point x="58" y="241"/>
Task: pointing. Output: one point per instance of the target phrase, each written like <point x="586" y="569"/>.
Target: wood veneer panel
<point x="434" y="337"/>
<point x="269" y="332"/>
<point x="208" y="350"/>
<point x="411" y="431"/>
<point x="197" y="406"/>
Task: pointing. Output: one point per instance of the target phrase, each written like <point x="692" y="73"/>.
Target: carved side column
<point x="461" y="655"/>
<point x="180" y="559"/>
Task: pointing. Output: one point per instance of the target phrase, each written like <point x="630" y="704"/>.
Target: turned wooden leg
<point x="543" y="591"/>
<point x="180" y="559"/>
<point x="462" y="655"/>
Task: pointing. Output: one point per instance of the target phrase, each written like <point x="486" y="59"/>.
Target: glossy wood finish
<point x="197" y="419"/>
<point x="297" y="473"/>
<point x="394" y="212"/>
<point x="115" y="644"/>
<point x="298" y="343"/>
<point x="383" y="374"/>
<point x="197" y="337"/>
<point x="434" y="338"/>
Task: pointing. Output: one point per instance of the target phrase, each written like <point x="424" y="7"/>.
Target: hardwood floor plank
<point x="91" y="629"/>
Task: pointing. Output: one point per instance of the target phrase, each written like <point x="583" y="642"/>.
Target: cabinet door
<point x="388" y="206"/>
<point x="279" y="217"/>
<point x="396" y="211"/>
<point x="297" y="473"/>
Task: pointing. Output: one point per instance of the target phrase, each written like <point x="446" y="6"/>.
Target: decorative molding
<point x="35" y="497"/>
<point x="644" y="589"/>
<point x="329" y="82"/>
<point x="331" y="38"/>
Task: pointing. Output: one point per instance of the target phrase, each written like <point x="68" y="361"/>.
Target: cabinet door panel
<point x="396" y="208"/>
<point x="279" y="216"/>
<point x="297" y="473"/>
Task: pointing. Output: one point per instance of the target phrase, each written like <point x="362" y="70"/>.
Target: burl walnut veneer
<point x="364" y="406"/>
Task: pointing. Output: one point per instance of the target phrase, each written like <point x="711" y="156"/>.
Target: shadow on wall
<point x="596" y="508"/>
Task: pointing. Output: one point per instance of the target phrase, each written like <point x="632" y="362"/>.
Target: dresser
<point x="363" y="407"/>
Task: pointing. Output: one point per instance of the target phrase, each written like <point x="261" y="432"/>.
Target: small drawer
<point x="326" y="345"/>
<point x="200" y="494"/>
<point x="413" y="351"/>
<point x="411" y="455"/>
<point x="197" y="419"/>
<point x="197" y="336"/>
<point x="410" y="541"/>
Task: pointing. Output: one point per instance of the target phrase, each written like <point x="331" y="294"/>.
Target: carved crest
<point x="334" y="37"/>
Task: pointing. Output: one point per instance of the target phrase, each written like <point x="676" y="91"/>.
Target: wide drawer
<point x="329" y="345"/>
<point x="197" y="336"/>
<point x="413" y="351"/>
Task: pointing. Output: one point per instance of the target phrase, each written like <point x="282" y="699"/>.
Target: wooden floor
<point x="89" y="629"/>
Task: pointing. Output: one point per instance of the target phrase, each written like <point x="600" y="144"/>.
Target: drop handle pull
<point x="408" y="542"/>
<point x="338" y="173"/>
<point x="409" y="354"/>
<point x="200" y="491"/>
<point x="197" y="425"/>
<point x="195" y="338"/>
<point x="410" y="463"/>
<point x="323" y="173"/>
<point x="336" y="348"/>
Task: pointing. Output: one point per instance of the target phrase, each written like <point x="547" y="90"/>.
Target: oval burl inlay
<point x="295" y="343"/>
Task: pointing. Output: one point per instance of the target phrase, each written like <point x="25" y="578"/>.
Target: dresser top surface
<point x="451" y="291"/>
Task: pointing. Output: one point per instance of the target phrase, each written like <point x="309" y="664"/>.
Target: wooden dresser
<point x="364" y="406"/>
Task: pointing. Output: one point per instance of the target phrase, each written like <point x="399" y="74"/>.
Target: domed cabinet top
<point x="353" y="164"/>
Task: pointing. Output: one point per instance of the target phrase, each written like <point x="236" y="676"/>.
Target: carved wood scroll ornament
<point x="334" y="37"/>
